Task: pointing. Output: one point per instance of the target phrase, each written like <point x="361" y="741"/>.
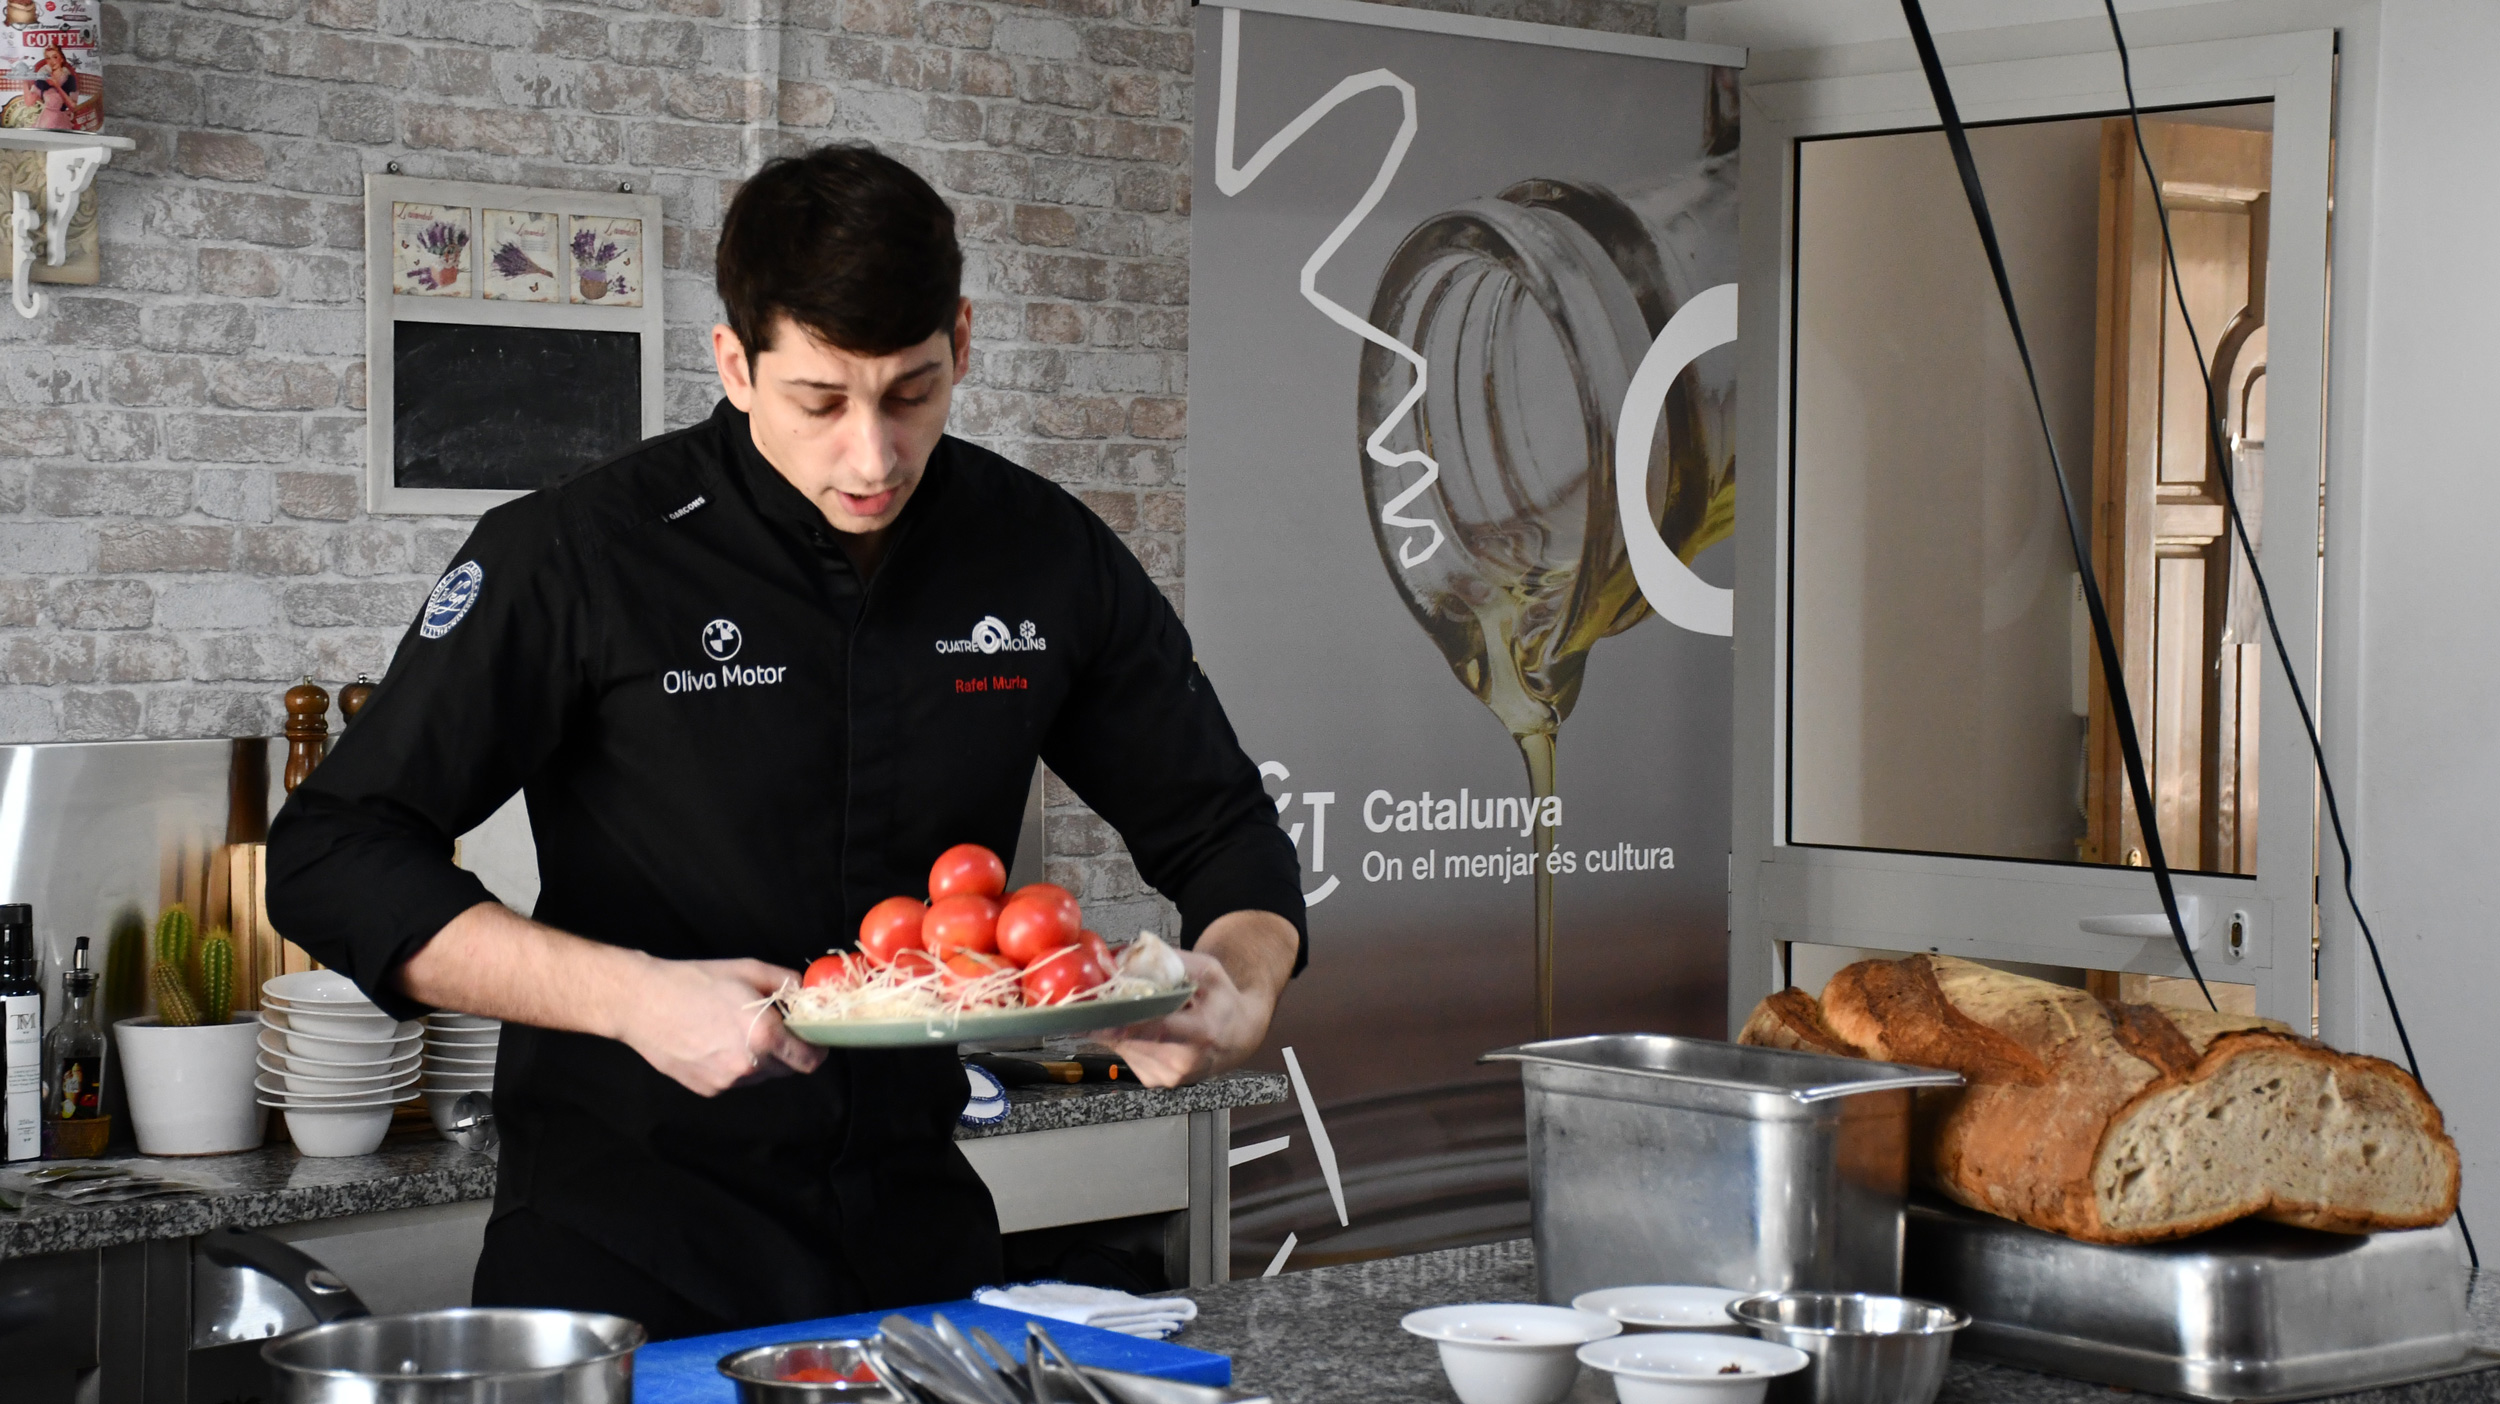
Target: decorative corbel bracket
<point x="70" y="163"/>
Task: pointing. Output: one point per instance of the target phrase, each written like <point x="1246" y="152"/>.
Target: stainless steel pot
<point x="471" y="1355"/>
<point x="1658" y="1159"/>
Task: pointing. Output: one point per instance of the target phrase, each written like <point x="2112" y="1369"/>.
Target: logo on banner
<point x="991" y="636"/>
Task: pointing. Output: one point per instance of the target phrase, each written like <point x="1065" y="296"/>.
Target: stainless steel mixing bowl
<point x="762" y="1374"/>
<point x="1866" y="1349"/>
<point x="477" y="1355"/>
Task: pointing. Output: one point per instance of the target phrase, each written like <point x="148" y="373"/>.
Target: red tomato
<point x="1068" y="971"/>
<point x="890" y="928"/>
<point x="1101" y="948"/>
<point x="1035" y="923"/>
<point x="840" y="969"/>
<point x="1055" y="894"/>
<point x="962" y="922"/>
<point x="967" y="868"/>
<point x="965" y="967"/>
<point x="911" y="960"/>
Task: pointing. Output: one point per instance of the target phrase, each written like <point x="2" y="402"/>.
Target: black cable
<point x="2265" y="597"/>
<point x="2113" y="672"/>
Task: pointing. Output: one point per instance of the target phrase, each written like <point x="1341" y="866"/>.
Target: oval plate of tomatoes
<point x="975" y="962"/>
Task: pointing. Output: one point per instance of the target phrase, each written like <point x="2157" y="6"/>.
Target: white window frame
<point x="383" y="311"/>
<point x="2007" y="909"/>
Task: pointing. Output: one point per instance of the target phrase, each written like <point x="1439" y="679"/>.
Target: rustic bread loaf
<point x="2126" y="1123"/>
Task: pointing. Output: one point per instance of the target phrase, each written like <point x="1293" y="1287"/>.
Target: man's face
<point x="851" y="432"/>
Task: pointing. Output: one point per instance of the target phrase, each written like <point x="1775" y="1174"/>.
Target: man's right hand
<point x="702" y="1022"/>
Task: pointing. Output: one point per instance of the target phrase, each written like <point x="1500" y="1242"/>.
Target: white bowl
<point x="351" y="1027"/>
<point x="313" y="987"/>
<point x="1690" y="1367"/>
<point x="444" y="1019"/>
<point x="1666" y="1308"/>
<point x="463" y="1038"/>
<point x="312" y="1085"/>
<point x="338" y="1131"/>
<point x="315" y="1071"/>
<point x="1510" y="1352"/>
<point x="190" y="1089"/>
<point x="453" y="1063"/>
<point x="296" y="1044"/>
<point x="275" y="1085"/>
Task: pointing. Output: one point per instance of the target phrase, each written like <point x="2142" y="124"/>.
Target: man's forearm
<point x="1256" y="948"/>
<point x="705" y="1023"/>
<point x="493" y="961"/>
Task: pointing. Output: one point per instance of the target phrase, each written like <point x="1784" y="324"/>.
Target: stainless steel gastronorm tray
<point x="2253" y="1312"/>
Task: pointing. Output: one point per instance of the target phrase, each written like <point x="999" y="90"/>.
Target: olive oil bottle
<point x="21" y="1036"/>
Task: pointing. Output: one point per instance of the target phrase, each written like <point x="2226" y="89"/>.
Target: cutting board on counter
<point x="686" y="1371"/>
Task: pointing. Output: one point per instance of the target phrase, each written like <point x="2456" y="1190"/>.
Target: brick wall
<point x="181" y="447"/>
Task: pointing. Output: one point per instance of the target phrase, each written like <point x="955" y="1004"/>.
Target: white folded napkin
<point x="1094" y="1306"/>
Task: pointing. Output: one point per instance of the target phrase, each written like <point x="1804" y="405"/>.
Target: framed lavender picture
<point x="514" y="339"/>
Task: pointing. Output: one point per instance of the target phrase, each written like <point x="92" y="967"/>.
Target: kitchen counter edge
<point x="274" y="1185"/>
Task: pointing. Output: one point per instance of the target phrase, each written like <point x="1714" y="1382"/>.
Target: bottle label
<point x="21" y="1050"/>
<point x="80" y="1093"/>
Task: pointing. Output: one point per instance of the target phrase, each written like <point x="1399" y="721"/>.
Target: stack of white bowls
<point x="333" y="1062"/>
<point x="459" y="1060"/>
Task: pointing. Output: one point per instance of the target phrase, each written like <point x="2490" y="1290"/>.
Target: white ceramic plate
<point x="1665" y="1308"/>
<point x="1083" y="1017"/>
<point x="486" y="1038"/>
<point x="1691" y="1367"/>
<point x="451" y="1063"/>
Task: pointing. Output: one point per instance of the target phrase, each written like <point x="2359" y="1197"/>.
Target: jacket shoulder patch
<point x="452" y="599"/>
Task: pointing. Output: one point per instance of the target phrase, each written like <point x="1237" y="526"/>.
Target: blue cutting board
<point x="686" y="1371"/>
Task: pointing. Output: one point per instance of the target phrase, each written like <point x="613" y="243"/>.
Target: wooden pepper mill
<point x="353" y="697"/>
<point x="307" y="730"/>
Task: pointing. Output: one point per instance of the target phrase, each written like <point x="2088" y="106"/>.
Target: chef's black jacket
<point x="731" y="745"/>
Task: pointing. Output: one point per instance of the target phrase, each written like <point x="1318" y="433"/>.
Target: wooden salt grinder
<point x="353" y="697"/>
<point x="307" y="730"/>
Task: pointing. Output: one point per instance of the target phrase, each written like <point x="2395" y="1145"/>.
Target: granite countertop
<point x="1332" y="1334"/>
<point x="1057" y="1106"/>
<point x="274" y="1185"/>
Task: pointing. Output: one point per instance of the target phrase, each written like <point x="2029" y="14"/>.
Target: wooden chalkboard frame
<point x="384" y="311"/>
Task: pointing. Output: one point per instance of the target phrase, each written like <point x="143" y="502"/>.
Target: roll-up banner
<point x="1461" y="466"/>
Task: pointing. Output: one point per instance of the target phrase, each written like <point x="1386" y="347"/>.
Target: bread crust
<point x="2063" y="1087"/>
<point x="1792" y="1019"/>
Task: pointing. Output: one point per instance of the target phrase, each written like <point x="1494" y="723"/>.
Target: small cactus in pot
<point x="193" y="979"/>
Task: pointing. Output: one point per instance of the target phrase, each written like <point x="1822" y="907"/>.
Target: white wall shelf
<point x="70" y="161"/>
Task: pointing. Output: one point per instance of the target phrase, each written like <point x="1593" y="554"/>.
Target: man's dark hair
<point x="849" y="243"/>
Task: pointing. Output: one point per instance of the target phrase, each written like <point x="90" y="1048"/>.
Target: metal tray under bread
<point x="2253" y="1312"/>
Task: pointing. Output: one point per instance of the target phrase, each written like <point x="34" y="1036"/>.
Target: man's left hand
<point x="1240" y="966"/>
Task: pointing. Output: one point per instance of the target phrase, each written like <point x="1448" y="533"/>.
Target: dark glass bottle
<point x="21" y="1036"/>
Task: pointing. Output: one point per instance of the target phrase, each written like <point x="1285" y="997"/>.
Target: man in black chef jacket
<point x="754" y="676"/>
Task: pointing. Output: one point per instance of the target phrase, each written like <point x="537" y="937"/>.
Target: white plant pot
<point x="190" y="1089"/>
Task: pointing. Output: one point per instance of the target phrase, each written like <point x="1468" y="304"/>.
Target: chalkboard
<point x="509" y="408"/>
